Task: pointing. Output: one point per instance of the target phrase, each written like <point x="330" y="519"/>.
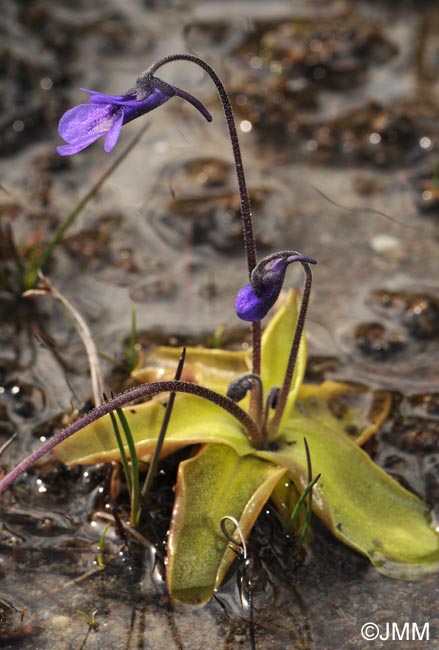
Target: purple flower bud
<point x="256" y="298"/>
<point x="106" y="114"/>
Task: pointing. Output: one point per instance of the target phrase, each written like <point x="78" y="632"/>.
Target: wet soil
<point x="336" y="104"/>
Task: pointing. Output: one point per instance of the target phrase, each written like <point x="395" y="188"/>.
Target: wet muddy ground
<point x="336" y="104"/>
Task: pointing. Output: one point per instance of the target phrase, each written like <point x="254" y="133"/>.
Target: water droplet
<point x="427" y="195"/>
<point x="319" y="72"/>
<point x="276" y="67"/>
<point x="18" y="126"/>
<point x="315" y="45"/>
<point x="256" y="62"/>
<point x="46" y="83"/>
<point x="425" y="142"/>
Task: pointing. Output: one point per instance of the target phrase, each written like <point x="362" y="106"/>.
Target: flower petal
<point x="251" y="307"/>
<point x="69" y="149"/>
<point x="81" y="121"/>
<point x="153" y="100"/>
<point x="84" y="124"/>
<point x="113" y="133"/>
<point x="255" y="299"/>
<point x="101" y="98"/>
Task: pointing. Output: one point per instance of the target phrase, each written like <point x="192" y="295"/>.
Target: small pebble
<point x="60" y="621"/>
<point x="384" y="243"/>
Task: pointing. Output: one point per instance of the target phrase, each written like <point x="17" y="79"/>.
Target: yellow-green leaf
<point x="356" y="409"/>
<point x="361" y="504"/>
<point x="214" y="369"/>
<point x="214" y="484"/>
<point x="193" y="421"/>
<point x="285" y="497"/>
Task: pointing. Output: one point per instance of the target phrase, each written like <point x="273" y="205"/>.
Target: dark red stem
<point x="140" y="392"/>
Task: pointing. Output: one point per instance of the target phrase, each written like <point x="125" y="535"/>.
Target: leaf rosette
<point x="227" y="476"/>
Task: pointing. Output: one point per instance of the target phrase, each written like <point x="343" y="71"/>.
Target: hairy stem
<point x="256" y="358"/>
<point x="140" y="392"/>
<point x="285" y="388"/>
<point x="246" y="215"/>
<point x="247" y="223"/>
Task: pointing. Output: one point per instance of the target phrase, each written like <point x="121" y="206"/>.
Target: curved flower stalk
<point x="105" y="115"/>
<point x="84" y="124"/>
<point x="255" y="299"/>
<point x="246" y="213"/>
<point x="252" y="304"/>
<point x="144" y="80"/>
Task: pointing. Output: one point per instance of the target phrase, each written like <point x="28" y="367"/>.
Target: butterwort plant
<point x="248" y="413"/>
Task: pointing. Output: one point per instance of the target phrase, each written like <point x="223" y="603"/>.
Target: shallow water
<point x="325" y="166"/>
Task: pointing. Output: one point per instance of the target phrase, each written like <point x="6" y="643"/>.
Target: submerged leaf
<point x="214" y="484"/>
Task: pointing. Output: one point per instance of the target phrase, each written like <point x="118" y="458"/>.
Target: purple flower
<point x="106" y="114"/>
<point x="256" y="298"/>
